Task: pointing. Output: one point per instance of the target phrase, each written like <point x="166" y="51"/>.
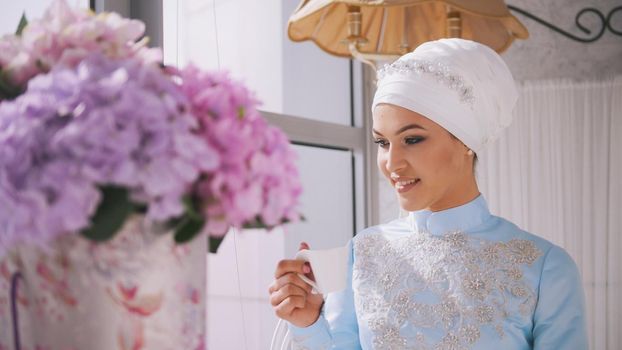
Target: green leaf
<point x="256" y="223"/>
<point x="188" y="229"/>
<point x="190" y="206"/>
<point x="214" y="243"/>
<point x="112" y="212"/>
<point x="140" y="208"/>
<point x="23" y="22"/>
<point x="4" y="95"/>
<point x="7" y="90"/>
<point x="172" y="224"/>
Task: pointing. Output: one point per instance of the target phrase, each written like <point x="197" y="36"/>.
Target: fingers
<point x="290" y="278"/>
<point x="288" y="297"/>
<point x="288" y="266"/>
<point x="289" y="291"/>
<point x="287" y="306"/>
<point x="285" y="292"/>
<point x="304" y="245"/>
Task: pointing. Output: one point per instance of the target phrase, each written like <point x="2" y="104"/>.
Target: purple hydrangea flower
<point x="105" y="121"/>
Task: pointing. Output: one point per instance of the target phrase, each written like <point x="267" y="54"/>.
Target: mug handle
<point x="316" y="289"/>
<point x="302" y="255"/>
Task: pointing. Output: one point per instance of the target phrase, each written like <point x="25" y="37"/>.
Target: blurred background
<point x="557" y="171"/>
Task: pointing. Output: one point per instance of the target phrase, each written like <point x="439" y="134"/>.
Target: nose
<point x="395" y="160"/>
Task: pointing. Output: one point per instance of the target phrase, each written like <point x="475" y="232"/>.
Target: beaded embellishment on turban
<point x="438" y="70"/>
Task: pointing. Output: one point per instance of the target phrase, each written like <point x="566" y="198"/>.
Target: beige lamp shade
<point x="395" y="27"/>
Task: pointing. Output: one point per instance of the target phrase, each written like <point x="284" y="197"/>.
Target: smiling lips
<point x="403" y="184"/>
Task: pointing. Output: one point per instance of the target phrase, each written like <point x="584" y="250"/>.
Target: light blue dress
<point x="454" y="279"/>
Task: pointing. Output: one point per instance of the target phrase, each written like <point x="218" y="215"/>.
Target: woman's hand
<point x="291" y="297"/>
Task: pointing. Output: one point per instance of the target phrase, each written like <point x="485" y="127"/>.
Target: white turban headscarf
<point x="461" y="85"/>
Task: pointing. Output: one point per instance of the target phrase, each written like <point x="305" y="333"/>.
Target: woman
<point x="450" y="275"/>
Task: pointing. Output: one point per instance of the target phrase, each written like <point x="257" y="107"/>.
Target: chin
<point x="412" y="205"/>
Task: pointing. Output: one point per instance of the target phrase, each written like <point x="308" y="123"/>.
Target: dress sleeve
<point x="337" y="327"/>
<point x="560" y="318"/>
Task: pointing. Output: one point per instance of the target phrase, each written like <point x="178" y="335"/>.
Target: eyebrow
<point x="402" y="129"/>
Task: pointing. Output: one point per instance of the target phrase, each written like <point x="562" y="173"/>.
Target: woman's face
<point x="425" y="164"/>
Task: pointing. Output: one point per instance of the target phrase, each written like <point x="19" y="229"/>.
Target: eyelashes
<point x="408" y="141"/>
<point x="413" y="140"/>
<point x="381" y="143"/>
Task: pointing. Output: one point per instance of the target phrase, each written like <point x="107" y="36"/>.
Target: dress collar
<point x="461" y="218"/>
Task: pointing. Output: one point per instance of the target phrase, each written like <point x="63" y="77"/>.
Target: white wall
<point x="11" y="11"/>
<point x="241" y="36"/>
<point x="547" y="54"/>
<point x="318" y="83"/>
<point x="248" y="38"/>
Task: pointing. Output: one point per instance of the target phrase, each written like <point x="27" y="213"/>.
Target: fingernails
<point x="306" y="268"/>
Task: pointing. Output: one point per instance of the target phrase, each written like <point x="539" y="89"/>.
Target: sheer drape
<point x="557" y="172"/>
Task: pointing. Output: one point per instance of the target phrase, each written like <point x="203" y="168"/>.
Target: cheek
<point x="452" y="172"/>
<point x="381" y="162"/>
<point x="436" y="165"/>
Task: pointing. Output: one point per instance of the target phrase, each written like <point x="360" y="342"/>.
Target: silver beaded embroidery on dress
<point x="454" y="283"/>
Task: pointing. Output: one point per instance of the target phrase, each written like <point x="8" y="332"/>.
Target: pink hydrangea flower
<point x="65" y="35"/>
<point x="257" y="180"/>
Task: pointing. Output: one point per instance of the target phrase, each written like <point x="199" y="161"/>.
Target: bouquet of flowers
<point x="93" y="129"/>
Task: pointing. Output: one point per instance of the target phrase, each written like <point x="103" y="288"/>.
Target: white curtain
<point x="557" y="172"/>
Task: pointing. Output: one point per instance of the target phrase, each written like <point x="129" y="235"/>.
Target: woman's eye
<point x="381" y="143"/>
<point x="413" y="140"/>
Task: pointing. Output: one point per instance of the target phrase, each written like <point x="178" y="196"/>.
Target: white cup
<point x="329" y="266"/>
